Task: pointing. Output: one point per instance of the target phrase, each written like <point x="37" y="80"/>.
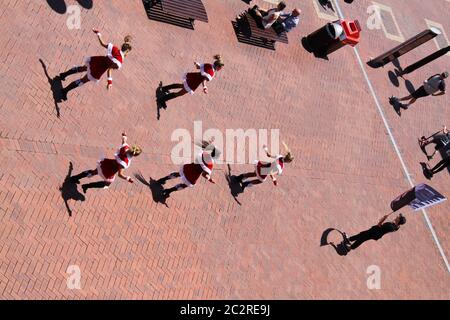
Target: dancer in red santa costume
<point x="265" y="169"/>
<point x="98" y="65"/>
<point x="108" y="168"/>
<point x="190" y="173"/>
<point x="192" y="80"/>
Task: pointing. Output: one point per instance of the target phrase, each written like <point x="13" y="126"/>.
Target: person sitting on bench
<point x="265" y="19"/>
<point x="440" y="141"/>
<point x="287" y="21"/>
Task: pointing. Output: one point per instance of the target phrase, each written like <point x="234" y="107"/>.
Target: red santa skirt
<point x="107" y="169"/>
<point x="190" y="173"/>
<point x="97" y="66"/>
<point x="192" y="80"/>
<point x="258" y="166"/>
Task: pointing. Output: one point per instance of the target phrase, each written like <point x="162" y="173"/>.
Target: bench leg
<point x="192" y="21"/>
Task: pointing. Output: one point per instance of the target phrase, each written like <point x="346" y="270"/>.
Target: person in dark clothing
<point x="441" y="165"/>
<point x="439" y="140"/>
<point x="374" y="233"/>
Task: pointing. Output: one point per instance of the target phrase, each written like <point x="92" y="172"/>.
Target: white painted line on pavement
<point x="394" y="143"/>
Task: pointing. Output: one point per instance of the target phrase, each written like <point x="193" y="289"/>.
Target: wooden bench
<point x="265" y="34"/>
<point x="189" y="9"/>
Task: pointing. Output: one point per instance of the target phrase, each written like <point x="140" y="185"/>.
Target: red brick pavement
<point x="205" y="245"/>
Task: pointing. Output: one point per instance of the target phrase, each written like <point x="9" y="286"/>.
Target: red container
<point x="352" y="31"/>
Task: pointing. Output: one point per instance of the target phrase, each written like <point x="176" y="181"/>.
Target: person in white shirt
<point x="434" y="86"/>
<point x="265" y="19"/>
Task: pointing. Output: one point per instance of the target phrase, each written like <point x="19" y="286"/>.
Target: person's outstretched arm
<point x="124" y="138"/>
<point x="267" y="152"/>
<point x="382" y="220"/>
<point x="208" y="177"/>
<point x="99" y="36"/>
<point x="122" y="175"/>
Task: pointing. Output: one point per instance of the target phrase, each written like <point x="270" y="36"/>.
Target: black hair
<point x="282" y="5"/>
<point x="401" y="219"/>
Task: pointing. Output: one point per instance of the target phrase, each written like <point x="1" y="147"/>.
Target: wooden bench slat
<point x="193" y="9"/>
<point x="268" y="34"/>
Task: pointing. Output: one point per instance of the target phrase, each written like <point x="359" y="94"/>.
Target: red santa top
<point x="207" y="70"/>
<point x="122" y="157"/>
<point x="115" y="55"/>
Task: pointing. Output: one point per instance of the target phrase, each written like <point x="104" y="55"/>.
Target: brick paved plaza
<point x="203" y="244"/>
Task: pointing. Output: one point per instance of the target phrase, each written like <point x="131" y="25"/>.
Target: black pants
<point x="444" y="163"/>
<point x="362" y="237"/>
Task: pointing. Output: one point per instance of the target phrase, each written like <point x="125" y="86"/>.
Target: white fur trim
<point x="186" y="86"/>
<point x="110" y="56"/>
<point x="279" y="168"/>
<point x="205" y="74"/>
<point x="184" y="179"/>
<point x="120" y="161"/>
<point x="202" y="164"/>
<point x="89" y="75"/>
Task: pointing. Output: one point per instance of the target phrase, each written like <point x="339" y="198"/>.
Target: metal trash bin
<point x="332" y="36"/>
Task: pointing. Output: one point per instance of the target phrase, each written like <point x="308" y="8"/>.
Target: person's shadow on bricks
<point x="398" y="73"/>
<point x="56" y="87"/>
<point x="60" y="6"/>
<point x="160" y="104"/>
<point x="234" y="185"/>
<point x="69" y="190"/>
<point x="341" y="248"/>
<point x="156" y="187"/>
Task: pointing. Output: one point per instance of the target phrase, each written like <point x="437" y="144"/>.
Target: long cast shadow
<point x="155" y="12"/>
<point x="69" y="190"/>
<point x="341" y="248"/>
<point x="156" y="187"/>
<point x="398" y="73"/>
<point x="56" y="87"/>
<point x="159" y="104"/>
<point x="233" y="184"/>
<point x="60" y="6"/>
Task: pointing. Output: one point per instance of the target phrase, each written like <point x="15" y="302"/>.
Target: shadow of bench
<point x="180" y="13"/>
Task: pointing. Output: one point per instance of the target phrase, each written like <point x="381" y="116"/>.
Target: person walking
<point x="108" y="168"/>
<point x="192" y="80"/>
<point x="440" y="140"/>
<point x="265" y="169"/>
<point x="190" y="173"/>
<point x="441" y="165"/>
<point x="374" y="233"/>
<point x="434" y="86"/>
<point x="96" y="66"/>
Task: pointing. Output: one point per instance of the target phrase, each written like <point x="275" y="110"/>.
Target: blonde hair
<point x="288" y="157"/>
<point x="136" y="150"/>
<point x="218" y="60"/>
